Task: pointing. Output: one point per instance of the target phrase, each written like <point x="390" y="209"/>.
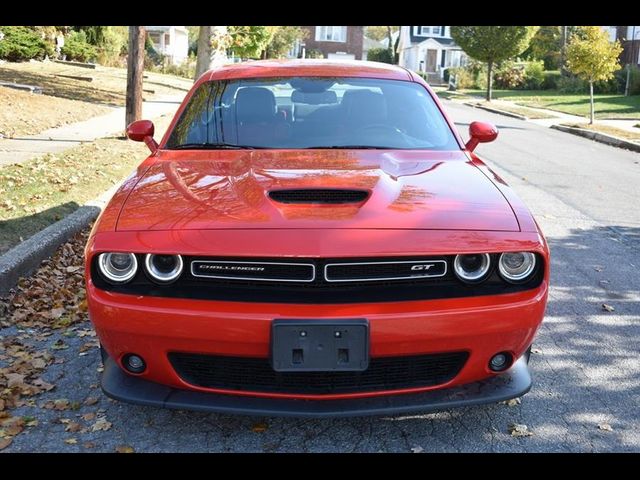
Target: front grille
<point x="348" y="282"/>
<point x="256" y="374"/>
<point x="331" y="196"/>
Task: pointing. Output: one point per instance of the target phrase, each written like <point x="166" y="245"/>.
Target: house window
<point x="167" y="39"/>
<point x="331" y="34"/>
<point x="155" y="38"/>
<point x="426" y="31"/>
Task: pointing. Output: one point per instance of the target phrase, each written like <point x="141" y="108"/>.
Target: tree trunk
<point x="390" y="46"/>
<point x="210" y="56"/>
<point x="135" y="70"/>
<point x="489" y="80"/>
<point x="563" y="50"/>
<point x="203" y="61"/>
<point x="591" y="106"/>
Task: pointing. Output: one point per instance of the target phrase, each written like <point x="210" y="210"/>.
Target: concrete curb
<point x="599" y="137"/>
<point x="26" y="257"/>
<point x="499" y="112"/>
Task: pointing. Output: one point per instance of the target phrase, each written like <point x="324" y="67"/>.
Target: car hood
<point x="202" y="190"/>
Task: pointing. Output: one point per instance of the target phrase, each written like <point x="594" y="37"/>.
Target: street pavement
<point x="585" y="363"/>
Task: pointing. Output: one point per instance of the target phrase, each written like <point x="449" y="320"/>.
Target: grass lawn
<point x="616" y="132"/>
<point x="606" y="106"/>
<point x="66" y="100"/>
<point x="41" y="191"/>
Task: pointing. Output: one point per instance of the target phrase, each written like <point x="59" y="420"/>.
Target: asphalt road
<point x="585" y="364"/>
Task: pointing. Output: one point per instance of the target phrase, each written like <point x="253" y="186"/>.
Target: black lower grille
<point x="256" y="374"/>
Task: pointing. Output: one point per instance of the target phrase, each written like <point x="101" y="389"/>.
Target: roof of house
<point x="308" y="68"/>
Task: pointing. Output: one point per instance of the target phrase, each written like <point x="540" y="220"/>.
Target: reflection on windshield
<point x="307" y="112"/>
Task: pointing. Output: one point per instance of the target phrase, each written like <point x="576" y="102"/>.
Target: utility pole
<point x="563" y="49"/>
<point x="630" y="58"/>
<point x="135" y="70"/>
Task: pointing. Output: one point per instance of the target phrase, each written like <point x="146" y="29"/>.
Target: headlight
<point x="516" y="267"/>
<point x="118" y="267"/>
<point x="163" y="268"/>
<point x="472" y="268"/>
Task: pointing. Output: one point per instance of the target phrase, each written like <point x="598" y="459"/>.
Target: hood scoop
<point x="317" y="196"/>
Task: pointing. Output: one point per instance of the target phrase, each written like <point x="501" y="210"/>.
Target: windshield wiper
<point x="212" y="146"/>
<point x="347" y="147"/>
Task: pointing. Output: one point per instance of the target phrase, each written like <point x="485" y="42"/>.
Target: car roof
<point x="308" y="68"/>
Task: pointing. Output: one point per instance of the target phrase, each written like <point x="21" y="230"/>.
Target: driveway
<point x="585" y="363"/>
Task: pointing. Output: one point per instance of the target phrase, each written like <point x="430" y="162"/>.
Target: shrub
<point x="463" y="77"/>
<point x="380" y="55"/>
<point x="446" y="74"/>
<point x="551" y="79"/>
<point x="313" y="53"/>
<point x="76" y="48"/>
<point x="112" y="46"/>
<point x="572" y="84"/>
<point x="509" y="76"/>
<point x="634" y="80"/>
<point x="534" y="75"/>
<point x="23" y="43"/>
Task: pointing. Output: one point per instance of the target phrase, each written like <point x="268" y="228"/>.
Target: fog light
<point x="500" y="361"/>
<point x="134" y="363"/>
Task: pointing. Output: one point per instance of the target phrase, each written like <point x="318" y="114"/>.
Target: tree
<point x="378" y="32"/>
<point x="493" y="44"/>
<point x="591" y="56"/>
<point x="248" y="41"/>
<point x="283" y="39"/>
<point x="135" y="70"/>
<point x="212" y="45"/>
<point x="546" y="45"/>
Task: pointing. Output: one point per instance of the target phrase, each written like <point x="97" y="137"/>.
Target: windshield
<point x="311" y="112"/>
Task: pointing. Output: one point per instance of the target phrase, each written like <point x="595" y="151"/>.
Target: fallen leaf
<point x="259" y="427"/>
<point x="607" y="308"/>
<point x="73" y="427"/>
<point x="519" y="430"/>
<point x="89" y="445"/>
<point x="598" y="268"/>
<point x="61" y="404"/>
<point x="513" y="402"/>
<point x="606" y="427"/>
<point x="91" y="401"/>
<point x="124" y="449"/>
<point x="5" y="442"/>
<point x="88" y="416"/>
<point x="417" y="450"/>
<point x="71" y="441"/>
<point x="101" y="424"/>
<point x="59" y="345"/>
<point x="14" y="379"/>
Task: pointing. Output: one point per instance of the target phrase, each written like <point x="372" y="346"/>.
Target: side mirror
<point x="142" y="131"/>
<point x="481" y="132"/>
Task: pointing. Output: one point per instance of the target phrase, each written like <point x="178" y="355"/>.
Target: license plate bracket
<point x="319" y="345"/>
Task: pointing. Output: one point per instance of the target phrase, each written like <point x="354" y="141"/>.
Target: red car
<point x="314" y="238"/>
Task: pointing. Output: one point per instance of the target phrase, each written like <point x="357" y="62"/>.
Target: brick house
<point x="334" y="42"/>
<point x="630" y="39"/>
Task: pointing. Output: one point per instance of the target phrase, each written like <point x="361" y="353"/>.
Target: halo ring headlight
<point x="163" y="268"/>
<point x="516" y="267"/>
<point x="117" y="267"/>
<point x="472" y="268"/>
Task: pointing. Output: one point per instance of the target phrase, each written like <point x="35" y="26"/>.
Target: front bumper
<point x="513" y="383"/>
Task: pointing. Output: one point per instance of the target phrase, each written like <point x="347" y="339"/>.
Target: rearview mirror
<point x="142" y="131"/>
<point x="481" y="132"/>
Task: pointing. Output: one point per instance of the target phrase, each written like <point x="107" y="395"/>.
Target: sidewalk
<point x="54" y="140"/>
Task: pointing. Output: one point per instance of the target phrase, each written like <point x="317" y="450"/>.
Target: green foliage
<point x="248" y="41"/>
<point x="378" y="32"/>
<point x="492" y="44"/>
<point x="78" y="49"/>
<point x="634" y="80"/>
<point x="464" y="78"/>
<point x="23" y="43"/>
<point x="572" y="84"/>
<point x="546" y="45"/>
<point x="591" y="56"/>
<point x="510" y="76"/>
<point x="534" y="75"/>
<point x="314" y="53"/>
<point x="383" y="55"/>
<point x="283" y="40"/>
<point x="113" y="46"/>
<point x="551" y="79"/>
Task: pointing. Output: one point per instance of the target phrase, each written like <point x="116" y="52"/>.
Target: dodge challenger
<point x="314" y="238"/>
